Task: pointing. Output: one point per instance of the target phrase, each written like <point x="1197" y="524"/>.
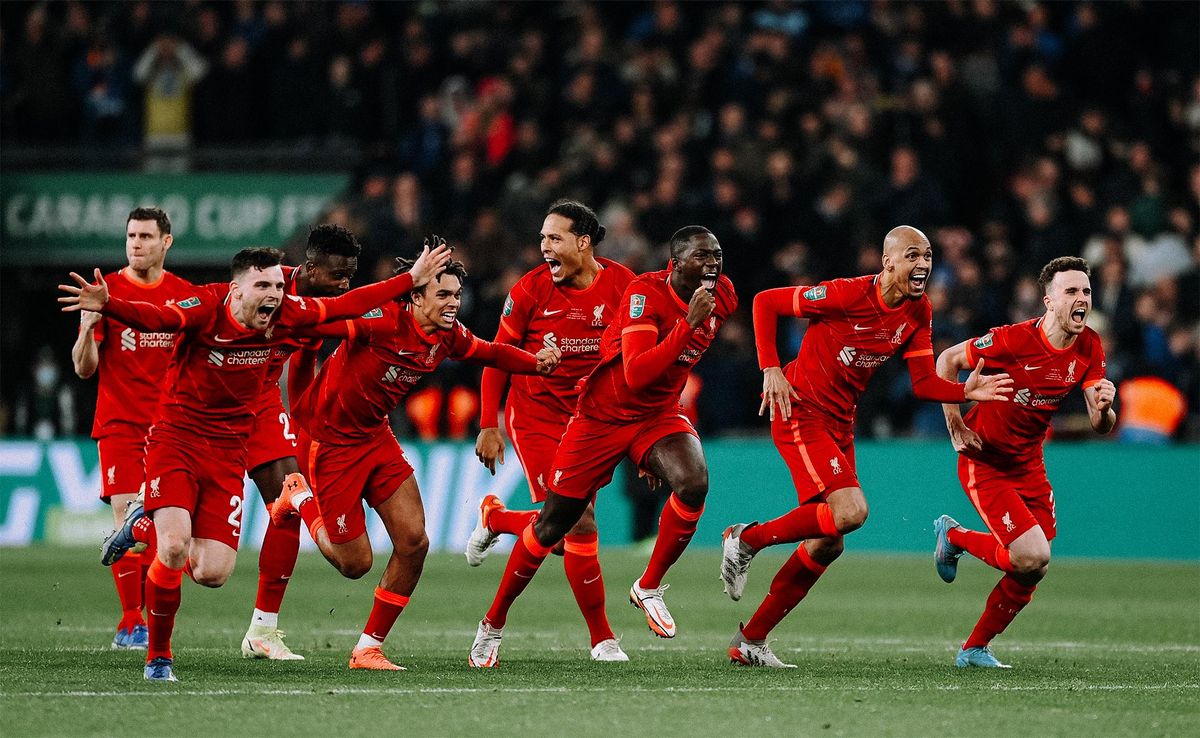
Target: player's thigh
<point x="338" y="476"/>
<point x="122" y="468"/>
<point x="173" y="533"/>
<point x="670" y="449"/>
<point x="996" y="496"/>
<point x="815" y="455"/>
<point x="586" y="457"/>
<point x="535" y="439"/>
<point x="273" y="437"/>
<point x="269" y="477"/>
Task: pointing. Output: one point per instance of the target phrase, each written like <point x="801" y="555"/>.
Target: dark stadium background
<point x="798" y="132"/>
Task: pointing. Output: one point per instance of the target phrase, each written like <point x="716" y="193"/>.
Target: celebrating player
<point x="196" y="451"/>
<point x="131" y="363"/>
<point x="331" y="262"/>
<point x="629" y="405"/>
<point x="856" y="325"/>
<point x="351" y="454"/>
<point x="1001" y="464"/>
<point x="567" y="303"/>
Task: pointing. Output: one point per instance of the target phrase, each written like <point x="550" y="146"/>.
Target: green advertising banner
<point x="79" y="218"/>
<point x="48" y="492"/>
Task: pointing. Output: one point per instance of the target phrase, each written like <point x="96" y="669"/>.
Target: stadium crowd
<point x="799" y="133"/>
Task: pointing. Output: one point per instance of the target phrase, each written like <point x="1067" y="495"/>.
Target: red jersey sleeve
<point x="307" y="311"/>
<point x="491" y="385"/>
<point x="146" y="316"/>
<point x="818" y="301"/>
<point x="1097" y="366"/>
<point x="518" y="308"/>
<point x="991" y="347"/>
<point x="644" y="357"/>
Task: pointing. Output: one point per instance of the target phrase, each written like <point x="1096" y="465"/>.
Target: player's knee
<point x="207" y="576"/>
<point x="1032" y="562"/>
<point x="850" y="515"/>
<point x="355" y="568"/>
<point x="411" y="544"/>
<point x="585" y="525"/>
<point x="173" y="550"/>
<point x="826" y="550"/>
<point x="549" y="531"/>
<point x="692" y="487"/>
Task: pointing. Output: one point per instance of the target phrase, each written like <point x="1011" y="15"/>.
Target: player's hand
<point x="777" y="390"/>
<point x="987" y="387"/>
<point x="652" y="482"/>
<point x="489" y="448"/>
<point x="84" y="295"/>
<point x="435" y="255"/>
<point x="963" y="438"/>
<point x="700" y="307"/>
<point x="1105" y="393"/>
<point x="88" y="319"/>
<point x="547" y="360"/>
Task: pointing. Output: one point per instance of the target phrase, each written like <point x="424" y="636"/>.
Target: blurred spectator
<point x="168" y="70"/>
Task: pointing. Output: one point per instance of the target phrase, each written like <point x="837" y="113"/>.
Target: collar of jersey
<point x="142" y="285"/>
<point x="1046" y="339"/>
<point x="243" y="330"/>
<point x="683" y="305"/>
<point x="879" y="295"/>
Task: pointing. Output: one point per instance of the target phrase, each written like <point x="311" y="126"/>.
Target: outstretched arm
<point x="513" y="360"/>
<point x="141" y="315"/>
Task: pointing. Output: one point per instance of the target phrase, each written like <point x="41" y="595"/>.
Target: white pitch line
<point x="169" y="692"/>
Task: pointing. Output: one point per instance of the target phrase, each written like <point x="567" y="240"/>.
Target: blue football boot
<point x="981" y="656"/>
<point x="945" y="553"/>
<point x="159" y="670"/>
<point x="118" y="543"/>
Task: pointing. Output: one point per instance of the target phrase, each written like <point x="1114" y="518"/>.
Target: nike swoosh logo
<point x="405" y="353"/>
<point x="219" y="339"/>
<point x="858" y="327"/>
<point x="586" y="581"/>
<point x="551" y="312"/>
<point x="522" y="575"/>
<point x="124" y="574"/>
<point x="1031" y="368"/>
<point x="158" y="614"/>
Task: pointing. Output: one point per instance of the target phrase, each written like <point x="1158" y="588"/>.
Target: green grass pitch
<point x="1105" y="648"/>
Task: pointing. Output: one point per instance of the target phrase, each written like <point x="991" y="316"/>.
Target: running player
<point x="131" y="363"/>
<point x="331" y="262"/>
<point x="196" y="450"/>
<point x="629" y="406"/>
<point x="351" y="455"/>
<point x="566" y="302"/>
<point x="1001" y="464"/>
<point x="856" y="325"/>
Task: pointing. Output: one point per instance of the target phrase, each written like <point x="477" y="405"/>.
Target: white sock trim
<point x="265" y="619"/>
<point x="366" y="641"/>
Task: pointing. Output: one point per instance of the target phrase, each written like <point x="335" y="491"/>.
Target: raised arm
<point x="644" y="359"/>
<point x="141" y="315"/>
<point x="1099" y="398"/>
<point x="85" y="354"/>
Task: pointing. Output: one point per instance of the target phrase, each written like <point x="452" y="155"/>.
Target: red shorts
<point x="343" y="476"/>
<point x="122" y="464"/>
<point x="535" y="432"/>
<point x="818" y="451"/>
<point x="591" y="449"/>
<point x="201" y="475"/>
<point x="1010" y="501"/>
<point x="273" y="436"/>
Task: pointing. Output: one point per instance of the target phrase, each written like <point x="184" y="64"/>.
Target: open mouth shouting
<point x="917" y="279"/>
<point x="448" y="316"/>
<point x="1078" y="318"/>
<point x="556" y="266"/>
<point x="264" y="312"/>
<point x="708" y="280"/>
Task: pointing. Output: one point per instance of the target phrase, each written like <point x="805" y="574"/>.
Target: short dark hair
<point x="330" y="239"/>
<point x="254" y="257"/>
<point x="584" y="221"/>
<point x="1062" y="264"/>
<point x="682" y="238"/>
<point x="454" y="267"/>
<point x="158" y="215"/>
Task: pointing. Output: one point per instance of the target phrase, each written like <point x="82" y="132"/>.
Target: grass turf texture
<point x="1104" y="649"/>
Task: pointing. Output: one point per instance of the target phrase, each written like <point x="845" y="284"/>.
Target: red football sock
<point x="127" y="575"/>
<point x="790" y="585"/>
<point x="276" y="562"/>
<point x="1003" y="604"/>
<point x="384" y="612"/>
<point x="982" y="546"/>
<point x="163" y="588"/>
<point x="807" y="521"/>
<point x="676" y="526"/>
<point x="310" y="513"/>
<point x="510" y="521"/>
<point x="526" y="557"/>
<point x="143" y="532"/>
<point x="582" y="565"/>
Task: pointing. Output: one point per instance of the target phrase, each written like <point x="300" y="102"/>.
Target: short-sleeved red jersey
<point x="851" y="334"/>
<point x="385" y="354"/>
<point x="540" y="314"/>
<point x="133" y="362"/>
<point x="1013" y="432"/>
<point x="649" y="304"/>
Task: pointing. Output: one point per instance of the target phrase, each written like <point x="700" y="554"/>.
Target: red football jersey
<point x="1013" y="432"/>
<point x="374" y="368"/>
<point x="133" y="362"/>
<point x="540" y="314"/>
<point x="851" y="334"/>
<point x="282" y="352"/>
<point x="649" y="303"/>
